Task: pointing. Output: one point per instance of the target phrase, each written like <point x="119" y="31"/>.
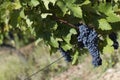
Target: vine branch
<point x="64" y="22"/>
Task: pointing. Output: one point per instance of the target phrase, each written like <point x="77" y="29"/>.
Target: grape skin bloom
<point x="89" y="37"/>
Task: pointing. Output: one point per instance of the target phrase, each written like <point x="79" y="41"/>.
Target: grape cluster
<point x="89" y="37"/>
<point x="66" y="54"/>
<point x="113" y="37"/>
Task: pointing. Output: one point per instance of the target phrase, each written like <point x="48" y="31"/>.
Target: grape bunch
<point x="113" y="37"/>
<point x="66" y="54"/>
<point x="89" y="37"/>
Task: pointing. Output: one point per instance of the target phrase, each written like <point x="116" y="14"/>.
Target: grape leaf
<point x="46" y="2"/>
<point x="34" y="3"/>
<point x="29" y="23"/>
<point x="17" y="4"/>
<point x="75" y="57"/>
<point x="109" y="41"/>
<point x="68" y="37"/>
<point x="75" y="10"/>
<point x="104" y="25"/>
<point x="69" y="1"/>
<point x="62" y="7"/>
<point x="53" y="42"/>
<point x="105" y="8"/>
<point x="22" y="14"/>
<point x="108" y="10"/>
<point x="67" y="47"/>
<point x="108" y="49"/>
<point x="73" y="31"/>
<point x="112" y="17"/>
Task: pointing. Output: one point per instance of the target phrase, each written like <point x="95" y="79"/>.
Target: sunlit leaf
<point x="109" y="41"/>
<point x="44" y="15"/>
<point x="53" y="42"/>
<point x="34" y="2"/>
<point x="67" y="47"/>
<point x="22" y="14"/>
<point x="29" y="23"/>
<point x="108" y="49"/>
<point x="75" y="57"/>
<point x="17" y="4"/>
<point x="62" y="7"/>
<point x="104" y="25"/>
<point x="68" y="37"/>
<point x="112" y="17"/>
<point x="69" y="1"/>
<point x="75" y="10"/>
<point x="73" y="31"/>
<point x="46" y="2"/>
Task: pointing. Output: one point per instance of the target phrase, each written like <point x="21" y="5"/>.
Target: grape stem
<point x="64" y="21"/>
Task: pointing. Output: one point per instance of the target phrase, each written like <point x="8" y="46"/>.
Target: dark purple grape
<point x="115" y="45"/>
<point x="66" y="54"/>
<point x="89" y="37"/>
<point x="113" y="37"/>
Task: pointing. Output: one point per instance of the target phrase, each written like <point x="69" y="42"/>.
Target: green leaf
<point x="105" y="8"/>
<point x="29" y="23"/>
<point x="44" y="15"/>
<point x="46" y="2"/>
<point x="112" y="17"/>
<point x="73" y="31"/>
<point x="34" y="3"/>
<point x="75" y="10"/>
<point x="75" y="57"/>
<point x="62" y="7"/>
<point x="67" y="47"/>
<point x="14" y="18"/>
<point x="109" y="41"/>
<point x="108" y="10"/>
<point x="68" y="37"/>
<point x="104" y="25"/>
<point x="85" y="2"/>
<point x="53" y="42"/>
<point x="17" y="4"/>
<point x="22" y="14"/>
<point x="69" y="1"/>
<point x="108" y="49"/>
